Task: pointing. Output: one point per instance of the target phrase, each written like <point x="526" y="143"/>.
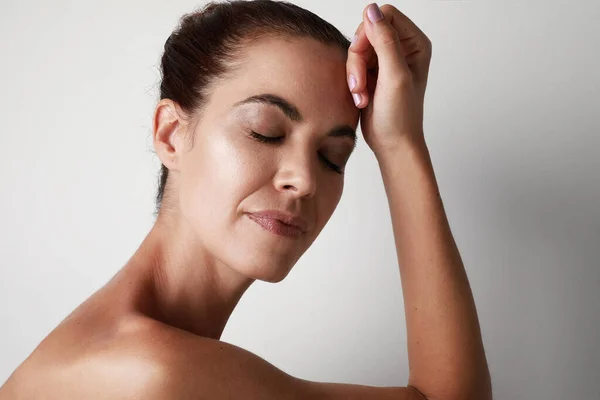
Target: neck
<point x="184" y="285"/>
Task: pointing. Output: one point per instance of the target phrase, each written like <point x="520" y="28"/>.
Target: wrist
<point x="407" y="144"/>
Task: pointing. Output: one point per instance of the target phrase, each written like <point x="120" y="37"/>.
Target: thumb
<point x="386" y="43"/>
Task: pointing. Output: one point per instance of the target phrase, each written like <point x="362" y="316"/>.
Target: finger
<point x="361" y="45"/>
<point x="386" y="43"/>
<point x="360" y="58"/>
<point x="415" y="44"/>
<point x="405" y="27"/>
<point x="362" y="48"/>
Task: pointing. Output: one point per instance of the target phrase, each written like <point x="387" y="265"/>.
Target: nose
<point x="297" y="175"/>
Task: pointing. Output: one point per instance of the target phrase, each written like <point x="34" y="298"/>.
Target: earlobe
<point x="167" y="127"/>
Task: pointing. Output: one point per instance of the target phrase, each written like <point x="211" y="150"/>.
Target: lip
<point x="280" y="223"/>
<point x="277" y="227"/>
<point x="294" y="220"/>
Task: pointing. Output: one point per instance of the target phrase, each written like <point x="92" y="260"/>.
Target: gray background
<point x="511" y="120"/>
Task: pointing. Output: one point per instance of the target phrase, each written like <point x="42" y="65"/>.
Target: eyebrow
<point x="292" y="112"/>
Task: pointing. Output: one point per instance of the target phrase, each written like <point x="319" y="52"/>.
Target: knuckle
<point x="388" y="36"/>
<point x="427" y="45"/>
<point x="350" y="65"/>
<point x="387" y="8"/>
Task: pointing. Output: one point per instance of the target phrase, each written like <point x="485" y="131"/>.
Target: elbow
<point x="480" y="391"/>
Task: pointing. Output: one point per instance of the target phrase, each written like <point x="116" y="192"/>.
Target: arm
<point x="445" y="349"/>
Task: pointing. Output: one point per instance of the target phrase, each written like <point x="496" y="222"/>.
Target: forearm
<point x="445" y="350"/>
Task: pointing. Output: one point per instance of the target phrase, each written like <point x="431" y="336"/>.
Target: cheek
<point x="217" y="175"/>
<point x="328" y="200"/>
<point x="336" y="194"/>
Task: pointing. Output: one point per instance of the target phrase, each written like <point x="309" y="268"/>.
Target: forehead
<point x="307" y="73"/>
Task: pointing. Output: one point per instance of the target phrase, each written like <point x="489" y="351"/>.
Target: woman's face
<point x="228" y="173"/>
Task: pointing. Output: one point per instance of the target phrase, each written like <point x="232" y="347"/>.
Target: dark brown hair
<point x="206" y="43"/>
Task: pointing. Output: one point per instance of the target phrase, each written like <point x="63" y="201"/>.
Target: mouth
<point x="276" y="226"/>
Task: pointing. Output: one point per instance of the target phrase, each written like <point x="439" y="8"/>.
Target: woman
<point x="255" y="123"/>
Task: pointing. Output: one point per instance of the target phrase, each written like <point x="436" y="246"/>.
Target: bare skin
<point x="152" y="332"/>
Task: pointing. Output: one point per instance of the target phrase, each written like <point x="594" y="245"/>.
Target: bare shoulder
<point x="185" y="366"/>
<point x="149" y="360"/>
<point x="98" y="361"/>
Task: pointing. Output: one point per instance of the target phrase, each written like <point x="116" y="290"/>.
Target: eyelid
<point x="273" y="139"/>
<point x="264" y="138"/>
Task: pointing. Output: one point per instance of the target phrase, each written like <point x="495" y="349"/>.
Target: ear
<point x="168" y="129"/>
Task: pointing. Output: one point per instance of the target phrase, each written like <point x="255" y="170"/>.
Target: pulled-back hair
<point x="207" y="42"/>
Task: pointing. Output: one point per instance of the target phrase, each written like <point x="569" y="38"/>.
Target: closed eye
<point x="272" y="140"/>
<point x="265" y="139"/>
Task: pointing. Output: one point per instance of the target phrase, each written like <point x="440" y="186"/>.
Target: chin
<point x="276" y="278"/>
<point x="265" y="272"/>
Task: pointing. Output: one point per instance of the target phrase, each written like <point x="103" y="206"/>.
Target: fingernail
<point x="352" y="82"/>
<point x="374" y="12"/>
<point x="357" y="98"/>
<point x="353" y="40"/>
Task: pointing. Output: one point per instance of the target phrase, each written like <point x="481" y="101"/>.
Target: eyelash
<point x="271" y="140"/>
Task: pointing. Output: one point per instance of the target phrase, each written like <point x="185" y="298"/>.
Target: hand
<point x="390" y="61"/>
